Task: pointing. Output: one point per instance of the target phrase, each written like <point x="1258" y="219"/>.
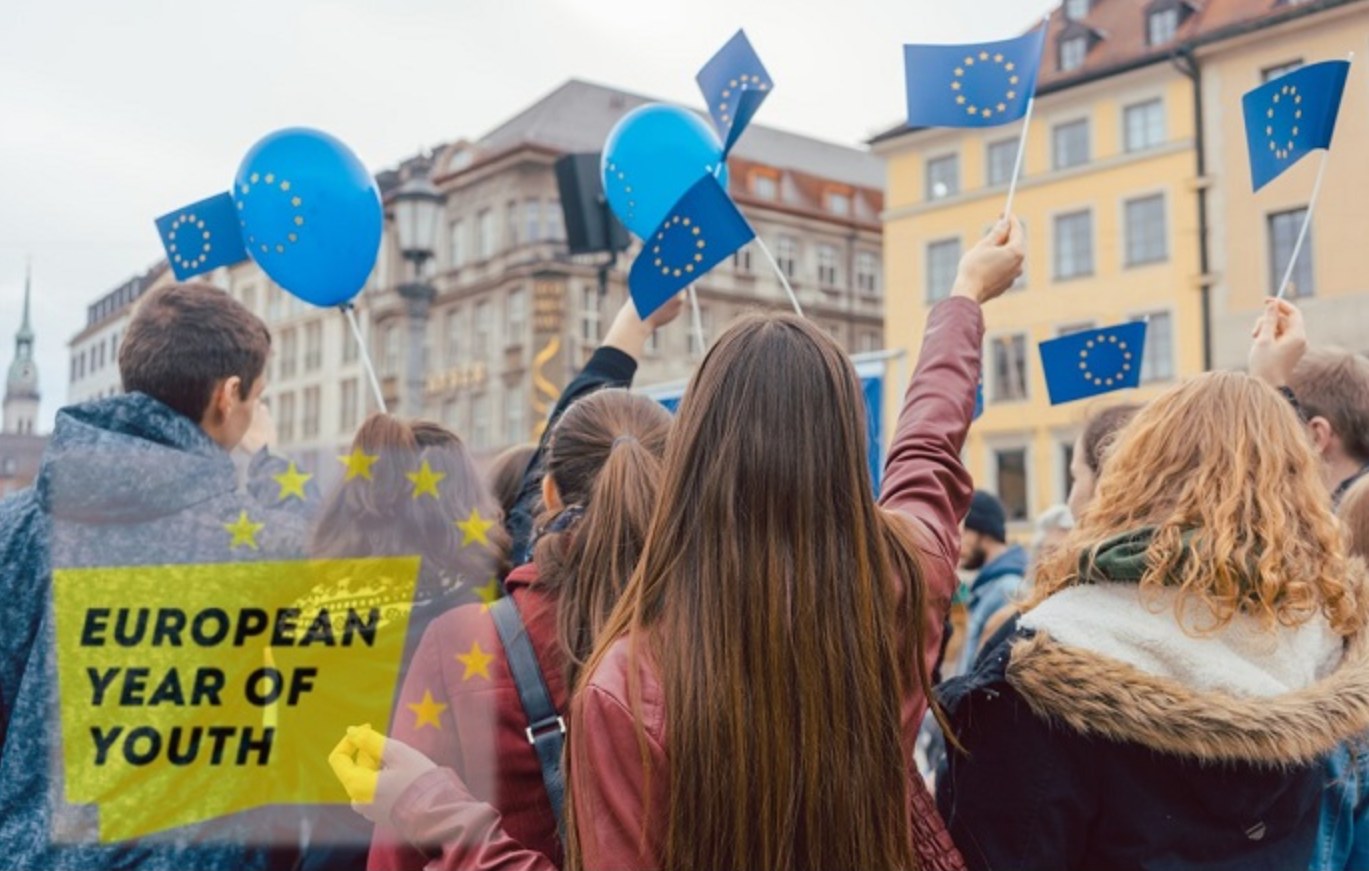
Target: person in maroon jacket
<point x="459" y="704"/>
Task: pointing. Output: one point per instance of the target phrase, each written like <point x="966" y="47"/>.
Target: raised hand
<point x="989" y="268"/>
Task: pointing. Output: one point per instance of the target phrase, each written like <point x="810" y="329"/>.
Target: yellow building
<point x="1136" y="200"/>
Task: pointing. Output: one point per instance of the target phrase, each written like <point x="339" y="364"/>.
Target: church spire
<point x="20" y="406"/>
<point x="25" y="328"/>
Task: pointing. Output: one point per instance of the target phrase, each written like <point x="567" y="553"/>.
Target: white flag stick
<point x="1021" y="150"/>
<point x="784" y="280"/>
<point x="350" y="311"/>
<point x="698" y="320"/>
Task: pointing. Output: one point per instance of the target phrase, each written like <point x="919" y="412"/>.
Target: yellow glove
<point x="376" y="770"/>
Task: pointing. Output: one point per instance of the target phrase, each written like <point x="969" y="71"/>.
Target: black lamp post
<point x="416" y="209"/>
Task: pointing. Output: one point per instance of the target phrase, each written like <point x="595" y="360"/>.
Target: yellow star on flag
<point x="473" y="528"/>
<point x="427" y="712"/>
<point x="477" y="662"/>
<point x="425" y="480"/>
<point x="291" y="482"/>
<point x="358" y="464"/>
<point x="488" y="594"/>
<point x="244" y="532"/>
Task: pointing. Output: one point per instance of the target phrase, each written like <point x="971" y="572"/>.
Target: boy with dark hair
<point x="139" y="479"/>
<point x="1332" y="388"/>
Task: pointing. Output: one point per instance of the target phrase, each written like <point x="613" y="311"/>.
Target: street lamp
<point x="416" y="208"/>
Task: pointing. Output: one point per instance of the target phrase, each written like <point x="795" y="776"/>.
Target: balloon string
<point x="349" y="311"/>
<point x="784" y="279"/>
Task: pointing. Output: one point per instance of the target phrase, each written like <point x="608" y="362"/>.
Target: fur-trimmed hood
<point x="1106" y="661"/>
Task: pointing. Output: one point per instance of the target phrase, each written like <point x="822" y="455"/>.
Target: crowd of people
<point x="750" y="659"/>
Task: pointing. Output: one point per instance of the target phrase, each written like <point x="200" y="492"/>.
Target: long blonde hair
<point x="1223" y="471"/>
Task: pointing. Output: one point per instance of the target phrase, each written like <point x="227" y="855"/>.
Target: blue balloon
<point x="652" y="157"/>
<point x="311" y="214"/>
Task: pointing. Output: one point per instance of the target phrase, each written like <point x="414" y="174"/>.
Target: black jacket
<point x="1075" y="760"/>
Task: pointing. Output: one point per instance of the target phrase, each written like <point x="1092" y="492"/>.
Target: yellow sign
<point x="190" y="692"/>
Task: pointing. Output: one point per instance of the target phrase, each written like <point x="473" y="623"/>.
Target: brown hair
<point x="605" y="459"/>
<point x="782" y="611"/>
<point x="382" y="517"/>
<point x="1100" y="430"/>
<point x="1222" y="470"/>
<point x="505" y="475"/>
<point x="1354" y="514"/>
<point x="1334" y="384"/>
<point x="187" y="338"/>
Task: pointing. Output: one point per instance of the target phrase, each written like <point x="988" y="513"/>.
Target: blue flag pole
<point x="1307" y="218"/>
<point x="349" y="311"/>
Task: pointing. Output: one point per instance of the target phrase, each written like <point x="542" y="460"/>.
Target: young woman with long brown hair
<point x="1187" y="658"/>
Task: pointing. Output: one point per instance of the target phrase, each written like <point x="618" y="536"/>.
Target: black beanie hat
<point x="987" y="516"/>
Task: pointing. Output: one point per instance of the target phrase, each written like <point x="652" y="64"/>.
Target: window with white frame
<point x="589" y="316"/>
<point x="1009" y="368"/>
<point x="483" y="329"/>
<point x="349" y="405"/>
<point x="515" y="415"/>
<point x="313" y="346"/>
<point x="839" y="203"/>
<point x="484" y="234"/>
<point x="787" y="254"/>
<point x="285" y="417"/>
<point x="869" y="341"/>
<point x="1147" y="237"/>
<point x="312" y="404"/>
<point x="1145" y="125"/>
<point x="1162" y="25"/>
<point x="764" y="186"/>
<point x="1157" y="360"/>
<point x="275" y="303"/>
<point x="999" y="159"/>
<point x="480" y="422"/>
<point x="456" y="244"/>
<point x="1010" y="477"/>
<point x="1074" y="244"/>
<point x="532" y="220"/>
<point x="451" y="337"/>
<point x="943" y="260"/>
<point x="1070" y="144"/>
<point x="511" y="225"/>
<point x="516" y="316"/>
<point x="553" y="222"/>
<point x="289" y="352"/>
<point x="943" y="177"/>
<point x="1073" y="51"/>
<point x="828" y="266"/>
<point x="350" y="350"/>
<point x="389" y="352"/>
<point x="867" y="272"/>
<point x="741" y="259"/>
<point x="1283" y="236"/>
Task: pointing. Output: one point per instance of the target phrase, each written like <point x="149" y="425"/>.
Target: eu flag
<point x="734" y="84"/>
<point x="1092" y="362"/>
<point x="1288" y="117"/>
<point x="972" y="85"/>
<point x="702" y="229"/>
<point x="202" y="236"/>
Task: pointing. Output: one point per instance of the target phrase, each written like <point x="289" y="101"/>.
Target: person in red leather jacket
<point x="459" y="704"/>
<point x="754" y="698"/>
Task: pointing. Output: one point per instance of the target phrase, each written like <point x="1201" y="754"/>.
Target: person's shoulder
<point x="612" y="683"/>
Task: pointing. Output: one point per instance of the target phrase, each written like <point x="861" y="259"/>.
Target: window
<point x="741" y="259"/>
<point x="1147" y="240"/>
<point x="313" y="346"/>
<point x="249" y="298"/>
<point x="451" y="342"/>
<point x="999" y="161"/>
<point x="827" y="265"/>
<point x="289" y="352"/>
<point x="764" y="186"/>
<point x="1010" y="471"/>
<point x="73" y="369"/>
<point x="1073" y="245"/>
<point x="556" y="231"/>
<point x="480" y="337"/>
<point x="1070" y="144"/>
<point x="1283" y="235"/>
<point x="350" y="347"/>
<point x="943" y="260"/>
<point x="839" y="203"/>
<point x="589" y="316"/>
<point x="1145" y="125"/>
<point x="480" y="422"/>
<point x="1075" y="327"/>
<point x="1162" y="25"/>
<point x="275" y="303"/>
<point x="515" y="415"/>
<point x="484" y="234"/>
<point x="532" y="220"/>
<point x="456" y="240"/>
<point x="511" y="224"/>
<point x="869" y="341"/>
<point x="1281" y="69"/>
<point x="706" y="327"/>
<point x="867" y="272"/>
<point x="1009" y="368"/>
<point x="787" y="254"/>
<point x="349" y="405"/>
<point x="943" y="177"/>
<point x="285" y="417"/>
<point x="516" y="316"/>
<point x="1072" y="52"/>
<point x="1157" y="360"/>
<point x="389" y="351"/>
<point x="311" y="409"/>
<point x="1076" y="9"/>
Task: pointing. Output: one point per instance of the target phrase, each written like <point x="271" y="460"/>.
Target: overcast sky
<point x="115" y="111"/>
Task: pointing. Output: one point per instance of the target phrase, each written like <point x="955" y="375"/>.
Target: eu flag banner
<point x="1092" y="362"/>
<point x="702" y="230"/>
<point x="734" y="84"/>
<point x="202" y="236"/>
<point x="972" y="85"/>
<point x="1292" y="115"/>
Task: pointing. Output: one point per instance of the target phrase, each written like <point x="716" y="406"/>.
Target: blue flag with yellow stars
<point x="734" y="84"/>
<point x="702" y="230"/>
<point x="972" y="85"/>
<point x="1092" y="362"/>
<point x="202" y="236"/>
<point x="1290" y="116"/>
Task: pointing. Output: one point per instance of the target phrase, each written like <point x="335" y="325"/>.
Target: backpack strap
<point x="547" y="730"/>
